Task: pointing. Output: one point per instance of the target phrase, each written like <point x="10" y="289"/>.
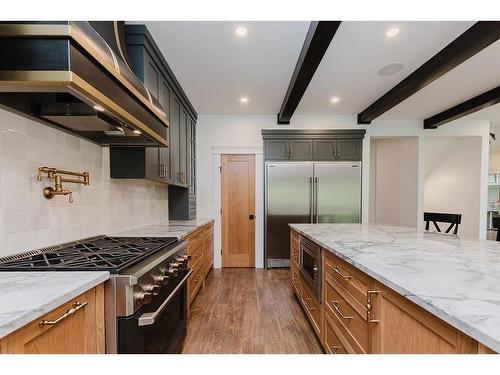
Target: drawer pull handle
<point x="336" y="308"/>
<point x="334" y="349"/>
<point x="307" y="304"/>
<point x="343" y="275"/>
<point x="76" y="306"/>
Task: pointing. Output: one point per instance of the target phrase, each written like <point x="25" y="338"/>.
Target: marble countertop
<point x="457" y="280"/>
<point x="167" y="228"/>
<point x="26" y="296"/>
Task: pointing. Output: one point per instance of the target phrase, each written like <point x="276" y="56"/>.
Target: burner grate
<point x="111" y="254"/>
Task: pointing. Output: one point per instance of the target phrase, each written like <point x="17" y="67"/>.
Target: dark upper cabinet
<point x="300" y="149"/>
<point x="288" y="149"/>
<point x="349" y="149"/>
<point x="324" y="149"/>
<point x="313" y="144"/>
<point x="277" y="149"/>
<point x="175" y="165"/>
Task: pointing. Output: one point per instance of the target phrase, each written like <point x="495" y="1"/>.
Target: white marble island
<point x="457" y="280"/>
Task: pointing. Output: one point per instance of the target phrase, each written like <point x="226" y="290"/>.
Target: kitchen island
<point x="451" y="283"/>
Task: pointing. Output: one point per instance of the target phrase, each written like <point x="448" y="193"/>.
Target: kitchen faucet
<point x="49" y="192"/>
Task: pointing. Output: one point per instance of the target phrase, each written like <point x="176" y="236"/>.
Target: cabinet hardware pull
<point x="307" y="304"/>
<point x="336" y="308"/>
<point x="76" y="306"/>
<point x="369" y="318"/>
<point x="334" y="348"/>
<point x="343" y="275"/>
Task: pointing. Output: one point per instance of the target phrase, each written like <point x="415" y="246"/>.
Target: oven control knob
<point x="161" y="279"/>
<point x="177" y="265"/>
<point x="153" y="289"/>
<point x="185" y="258"/>
<point x="143" y="297"/>
<point x="173" y="271"/>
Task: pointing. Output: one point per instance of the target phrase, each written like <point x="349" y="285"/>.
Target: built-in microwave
<point x="310" y="266"/>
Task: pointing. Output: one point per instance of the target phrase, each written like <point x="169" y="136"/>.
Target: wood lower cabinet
<point x="201" y="250"/>
<point x="404" y="327"/>
<point x="361" y="315"/>
<point x="79" y="333"/>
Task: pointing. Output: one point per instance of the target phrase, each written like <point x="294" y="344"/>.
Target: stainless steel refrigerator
<point x="307" y="192"/>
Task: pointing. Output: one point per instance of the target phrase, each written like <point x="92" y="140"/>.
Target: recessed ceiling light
<point x="241" y="31"/>
<point x="137" y="131"/>
<point x="393" y="31"/>
<point x="244" y="99"/>
<point x="335" y="99"/>
<point x="390" y="69"/>
<point x="99" y="108"/>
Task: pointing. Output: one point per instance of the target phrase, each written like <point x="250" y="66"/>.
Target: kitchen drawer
<point x="312" y="308"/>
<point x="296" y="282"/>
<point x="194" y="283"/>
<point x="354" y="282"/>
<point x="334" y="342"/>
<point x="196" y="253"/>
<point x="351" y="322"/>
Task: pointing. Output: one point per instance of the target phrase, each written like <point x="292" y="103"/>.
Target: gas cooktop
<point x="101" y="253"/>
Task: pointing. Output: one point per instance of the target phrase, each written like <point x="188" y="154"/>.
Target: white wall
<point x="453" y="180"/>
<point x="29" y="221"/>
<point x="233" y="132"/>
<point x="394" y="181"/>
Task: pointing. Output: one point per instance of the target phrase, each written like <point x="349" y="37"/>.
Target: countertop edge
<point x="432" y="309"/>
<point x="195" y="228"/>
<point x="26" y="318"/>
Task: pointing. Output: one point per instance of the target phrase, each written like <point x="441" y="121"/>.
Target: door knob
<point x="251" y="217"/>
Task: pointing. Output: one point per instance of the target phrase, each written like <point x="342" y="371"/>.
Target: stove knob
<point x="143" y="297"/>
<point x="161" y="279"/>
<point x="153" y="289"/>
<point x="173" y="271"/>
<point x="186" y="257"/>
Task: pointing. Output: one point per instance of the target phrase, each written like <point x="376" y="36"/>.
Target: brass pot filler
<point x="55" y="173"/>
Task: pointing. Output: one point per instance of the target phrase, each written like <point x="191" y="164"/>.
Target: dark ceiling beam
<point x="473" y="40"/>
<point x="472" y="105"/>
<point x="318" y="38"/>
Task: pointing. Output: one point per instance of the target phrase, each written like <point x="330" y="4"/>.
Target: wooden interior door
<point x="238" y="210"/>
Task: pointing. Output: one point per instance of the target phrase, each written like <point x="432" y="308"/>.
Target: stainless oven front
<point x="310" y="266"/>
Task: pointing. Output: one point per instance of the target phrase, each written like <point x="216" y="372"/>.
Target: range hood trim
<point x="40" y="31"/>
<point x="17" y="81"/>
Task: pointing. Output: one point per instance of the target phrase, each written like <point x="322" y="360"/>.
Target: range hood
<point x="74" y="76"/>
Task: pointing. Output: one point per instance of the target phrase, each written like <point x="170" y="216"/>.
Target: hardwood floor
<point x="246" y="310"/>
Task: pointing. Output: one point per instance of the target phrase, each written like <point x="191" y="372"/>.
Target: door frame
<point x="217" y="151"/>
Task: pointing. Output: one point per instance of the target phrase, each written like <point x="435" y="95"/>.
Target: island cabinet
<point x="361" y="315"/>
<point x="76" y="327"/>
<point x="201" y="251"/>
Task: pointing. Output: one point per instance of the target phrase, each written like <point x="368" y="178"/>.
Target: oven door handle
<point x="147" y="319"/>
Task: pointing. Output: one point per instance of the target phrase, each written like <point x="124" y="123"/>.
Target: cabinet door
<point x="324" y="149"/>
<point x="152" y="163"/>
<point x="406" y="328"/>
<point x="78" y="333"/>
<point x="151" y="76"/>
<point x="192" y="157"/>
<point x="183" y="140"/>
<point x="349" y="149"/>
<point x="164" y="153"/>
<point x="300" y="149"/>
<point x="174" y="139"/>
<point x="277" y="149"/>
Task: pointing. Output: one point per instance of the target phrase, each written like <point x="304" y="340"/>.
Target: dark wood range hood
<point x="74" y="76"/>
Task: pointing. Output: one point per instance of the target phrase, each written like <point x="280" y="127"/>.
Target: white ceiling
<point x="216" y="68"/>
<point x="359" y="49"/>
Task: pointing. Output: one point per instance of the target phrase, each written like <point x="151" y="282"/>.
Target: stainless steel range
<point x="146" y="295"/>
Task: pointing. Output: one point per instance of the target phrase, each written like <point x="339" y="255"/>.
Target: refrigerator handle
<point x="316" y="191"/>
<point x="311" y="199"/>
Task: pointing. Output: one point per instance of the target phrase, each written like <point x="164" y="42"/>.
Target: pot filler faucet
<point x="55" y="173"/>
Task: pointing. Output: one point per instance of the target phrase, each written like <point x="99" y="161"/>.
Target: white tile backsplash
<point x="29" y="221"/>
